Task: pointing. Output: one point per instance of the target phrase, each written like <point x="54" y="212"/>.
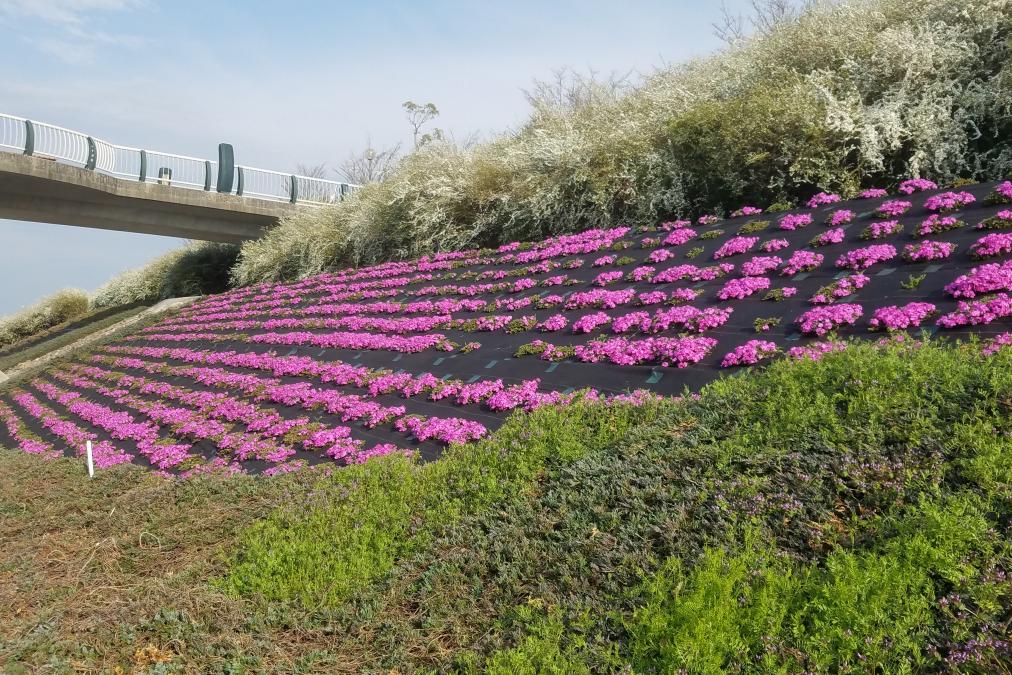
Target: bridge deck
<point x="39" y="189"/>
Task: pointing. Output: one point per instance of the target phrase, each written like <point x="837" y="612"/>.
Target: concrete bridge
<point x="53" y="175"/>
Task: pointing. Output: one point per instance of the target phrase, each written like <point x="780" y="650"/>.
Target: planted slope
<point x="410" y="356"/>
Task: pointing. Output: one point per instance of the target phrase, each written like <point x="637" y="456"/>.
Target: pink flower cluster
<point x="991" y="245"/>
<point x="881" y="229"/>
<point x="863" y="258"/>
<point x="679" y="236"/>
<point x="829" y="237"/>
<point x="814" y="351"/>
<point x="746" y="211"/>
<point x="926" y="250"/>
<point x="912" y="185"/>
<point x="874" y="193"/>
<point x="1003" y="192"/>
<point x="840" y="288"/>
<point x="742" y="288"/>
<point x="605" y="278"/>
<point x="949" y="201"/>
<point x="554" y="323"/>
<point x="1001" y="220"/>
<point x="893" y="208"/>
<point x="590" y="322"/>
<point x="774" y="245"/>
<point x="735" y="246"/>
<point x="822" y="199"/>
<point x="978" y="312"/>
<point x="999" y="341"/>
<point x="900" y="318"/>
<point x="822" y="320"/>
<point x="802" y="261"/>
<point x="841" y="217"/>
<point x="936" y="224"/>
<point x="984" y="279"/>
<point x="750" y="353"/>
<point x="760" y="266"/>
<point x="793" y="221"/>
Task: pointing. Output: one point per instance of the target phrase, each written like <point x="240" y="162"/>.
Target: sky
<point x="292" y="82"/>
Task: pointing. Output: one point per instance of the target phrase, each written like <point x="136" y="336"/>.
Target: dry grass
<point x="115" y="574"/>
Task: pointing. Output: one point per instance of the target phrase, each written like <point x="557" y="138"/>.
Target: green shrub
<point x="58" y="308"/>
<point x="198" y="268"/>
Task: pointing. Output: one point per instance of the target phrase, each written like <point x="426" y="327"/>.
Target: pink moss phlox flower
<point x="900" y="318"/>
<point x="814" y="351"/>
<point x="841" y="217"/>
<point x="912" y="185"/>
<point x="735" y="246"/>
<point x="708" y="220"/>
<point x="978" y="312"/>
<point x="750" y="353"/>
<point x="746" y="211"/>
<point x="679" y="237"/>
<point x="742" y="288"/>
<point x="553" y="323"/>
<point x="936" y="224"/>
<point x="874" y="193"/>
<point x="822" y="320"/>
<point x="893" y="208"/>
<point x="990" y="245"/>
<point x="590" y="322"/>
<point x="881" y="229"/>
<point x="926" y="250"/>
<point x="822" y="199"/>
<point x="863" y="258"/>
<point x="981" y="280"/>
<point x="949" y="201"/>
<point x="802" y="261"/>
<point x="605" y="278"/>
<point x="1000" y="341"/>
<point x="774" y="245"/>
<point x="760" y="266"/>
<point x="829" y="237"/>
<point x="793" y="221"/>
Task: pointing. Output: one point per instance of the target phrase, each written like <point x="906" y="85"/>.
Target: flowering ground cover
<point x="411" y="357"/>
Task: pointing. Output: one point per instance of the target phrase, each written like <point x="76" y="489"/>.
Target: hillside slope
<point x="411" y="356"/>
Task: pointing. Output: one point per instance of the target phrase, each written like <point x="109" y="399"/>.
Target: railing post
<point x="143" y="177"/>
<point x="92" y="155"/>
<point x="207" y="175"/>
<point x="295" y="189"/>
<point x="226" y="167"/>
<point x="239" y="187"/>
<point x="344" y="191"/>
<point x="29" y="138"/>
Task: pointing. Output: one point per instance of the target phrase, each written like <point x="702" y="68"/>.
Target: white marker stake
<point x="91" y="462"/>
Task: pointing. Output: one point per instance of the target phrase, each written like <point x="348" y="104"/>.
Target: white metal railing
<point x="72" y="147"/>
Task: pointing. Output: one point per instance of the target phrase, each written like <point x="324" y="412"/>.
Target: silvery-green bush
<point x="51" y="311"/>
<point x="851" y="94"/>
<point x="195" y="269"/>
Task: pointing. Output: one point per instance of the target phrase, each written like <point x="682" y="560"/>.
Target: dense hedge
<point x="58" y="308"/>
<point x="850" y="515"/>
<point x="852" y="94"/>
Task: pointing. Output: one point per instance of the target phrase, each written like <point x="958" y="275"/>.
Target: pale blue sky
<point x="290" y="82"/>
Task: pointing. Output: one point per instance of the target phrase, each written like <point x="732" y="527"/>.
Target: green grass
<point x="850" y="515"/>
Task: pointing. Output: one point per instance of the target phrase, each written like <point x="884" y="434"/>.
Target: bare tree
<point x="420" y="114"/>
<point x="765" y="17"/>
<point x="311" y="171"/>
<point x="369" y="165"/>
<point x="568" y="91"/>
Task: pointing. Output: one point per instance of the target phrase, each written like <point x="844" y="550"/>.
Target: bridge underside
<point x="40" y="190"/>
